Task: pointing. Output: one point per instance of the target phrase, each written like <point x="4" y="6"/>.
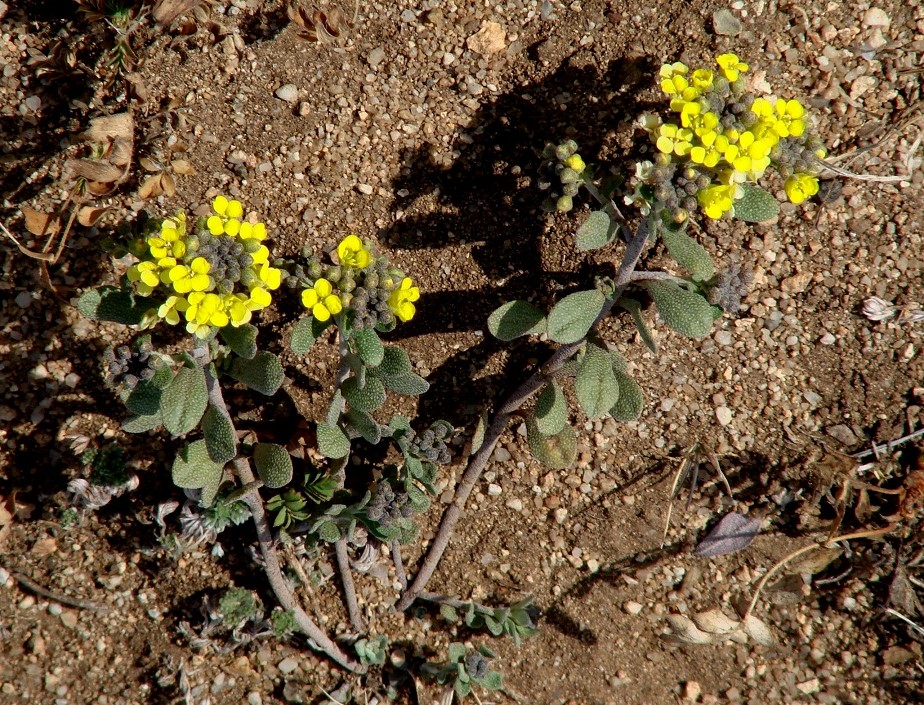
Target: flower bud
<point x="564" y="204"/>
<point x="570" y="189"/>
<point x="569" y="175"/>
<point x="333" y="274"/>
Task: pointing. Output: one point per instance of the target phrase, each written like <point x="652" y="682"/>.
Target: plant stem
<point x="399" y="564"/>
<point x="317" y="637"/>
<point x="654" y="276"/>
<point x="349" y="587"/>
<point x="479" y="459"/>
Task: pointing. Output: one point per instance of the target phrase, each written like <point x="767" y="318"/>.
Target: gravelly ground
<point x="422" y="128"/>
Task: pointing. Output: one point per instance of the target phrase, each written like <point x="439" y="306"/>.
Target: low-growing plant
<point x="463" y="669"/>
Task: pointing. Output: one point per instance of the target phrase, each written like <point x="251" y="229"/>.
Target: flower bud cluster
<point x="725" y="136"/>
<point x="377" y="293"/>
<point x="127" y="366"/>
<point x="431" y="444"/>
<point x="569" y="168"/>
<point x="386" y="506"/>
<point x="212" y="277"/>
<point x="729" y="287"/>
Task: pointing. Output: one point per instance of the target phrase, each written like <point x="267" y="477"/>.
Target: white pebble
<point x="515" y="504"/>
<point x="560" y="515"/>
<point x="876" y="17"/>
<point x="288" y="93"/>
<point x="724" y="415"/>
<point x="632" y="607"/>
<point x="365" y="189"/>
<point x="494" y="490"/>
<point x="827" y="339"/>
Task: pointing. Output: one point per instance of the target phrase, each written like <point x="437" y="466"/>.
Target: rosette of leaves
<point x="372" y="651"/>
<point x="464" y="669"/>
<point x="516" y="621"/>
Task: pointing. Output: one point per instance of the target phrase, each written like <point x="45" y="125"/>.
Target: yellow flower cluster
<point x="722" y="136"/>
<point x="212" y="278"/>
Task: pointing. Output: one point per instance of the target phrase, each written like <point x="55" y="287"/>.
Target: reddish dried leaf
<point x="182" y="167"/>
<point x="734" y="533"/>
<point x="149" y="164"/>
<point x="88" y="215"/>
<point x="151" y="188"/>
<point x="165" y="11"/>
<point x="39" y="223"/>
<point x="168" y="184"/>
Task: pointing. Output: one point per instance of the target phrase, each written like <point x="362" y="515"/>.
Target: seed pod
<point x="333" y="274"/>
<point x="251" y="245"/>
<point x="347" y="285"/>
<point x="571" y="189"/>
<point x="314" y="270"/>
<point x="569" y="176"/>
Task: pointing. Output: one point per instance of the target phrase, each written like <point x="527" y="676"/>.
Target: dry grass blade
<point x="165" y="11"/>
<point x="318" y="25"/>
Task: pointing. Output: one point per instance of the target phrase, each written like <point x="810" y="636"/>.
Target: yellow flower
<point x="789" y="122"/>
<point x="228" y="219"/>
<point x="706" y="154"/>
<point x="252" y="231"/>
<point x="352" y="253"/>
<point x="195" y="277"/>
<point x="703" y="124"/>
<point x="402" y="298"/>
<point x="259" y="298"/>
<point x="753" y="155"/>
<point x="799" y="187"/>
<point x="171" y="309"/>
<point x="702" y="79"/>
<point x="270" y="276"/>
<point x="239" y="309"/>
<point x="205" y="312"/>
<point x="731" y="66"/>
<point x="674" y="140"/>
<point x="716" y="200"/>
<point x="576" y="163"/>
<point x="321" y="300"/>
<point x="145" y="275"/>
<point x="690" y="112"/>
<point x="675" y="85"/>
<point x="671" y="70"/>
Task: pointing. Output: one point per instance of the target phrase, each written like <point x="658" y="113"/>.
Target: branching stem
<point x="479" y="459"/>
<point x="349" y="587"/>
<point x="272" y="567"/>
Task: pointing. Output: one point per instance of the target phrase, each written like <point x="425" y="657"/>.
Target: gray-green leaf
<point x="363" y="424"/>
<point x="689" y="253"/>
<point x="370" y="348"/>
<point x="683" y="310"/>
<point x="144" y="399"/>
<point x="595" y="232"/>
<point x="635" y="309"/>
<point x="557" y="451"/>
<point x="109" y="303"/>
<point x="551" y="410"/>
<point x="394" y="362"/>
<point x="193" y="468"/>
<point x="516" y="318"/>
<point x="631" y="400"/>
<point x="755" y="205"/>
<point x="140" y="424"/>
<point x="332" y="441"/>
<point x="572" y="317"/>
<point x="263" y="373"/>
<point x="220" y="438"/>
<point x="408" y="384"/>
<point x="368" y="398"/>
<point x="183" y="402"/>
<point x="241" y="339"/>
<point x="273" y="463"/>
<point x="302" y="336"/>
<point x="596" y="387"/>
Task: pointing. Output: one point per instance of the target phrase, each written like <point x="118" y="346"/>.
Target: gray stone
<point x="288" y="93"/>
<point x="725" y="23"/>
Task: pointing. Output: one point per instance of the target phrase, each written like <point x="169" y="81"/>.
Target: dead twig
<point x="33" y="586"/>
<point x="349" y="587"/>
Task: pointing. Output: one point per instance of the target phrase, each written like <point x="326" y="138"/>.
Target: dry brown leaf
<point x="7" y="509"/>
<point x="137" y="86"/>
<point x="151" y="165"/>
<point x="165" y="11"/>
<point x="686" y="631"/>
<point x="39" y="223"/>
<point x="168" y="184"/>
<point x="715" y="621"/>
<point x="99" y="171"/>
<point x="88" y="215"/>
<point x="151" y="188"/>
<point x="758" y="631"/>
<point x="44" y="547"/>
<point x="110" y="128"/>
<point x="182" y="167"/>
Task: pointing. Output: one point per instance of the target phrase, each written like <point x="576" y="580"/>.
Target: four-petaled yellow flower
<point x="321" y="300"/>
<point x="195" y="277"/>
<point x="731" y="66"/>
<point x="227" y="221"/>
<point x="716" y="200"/>
<point x="205" y="312"/>
<point x="799" y="187"/>
<point x="352" y="253"/>
<point x="674" y="140"/>
<point x="171" y="309"/>
<point x="789" y="121"/>
<point x="402" y="298"/>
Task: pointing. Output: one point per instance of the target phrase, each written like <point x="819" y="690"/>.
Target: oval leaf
<point x="681" y="309"/>
<point x="516" y="318"/>
<point x="408" y="384"/>
<point x="732" y="534"/>
<point x="394" y="362"/>
<point x="273" y="463"/>
<point x="572" y="317"/>
<point x="193" y="468"/>
<point x="263" y="373"/>
<point x="631" y="400"/>
<point x="755" y="205"/>
<point x="183" y="402"/>
<point x="302" y="336"/>
<point x="557" y="451"/>
<point x="242" y="340"/>
<point x="368" y="398"/>
<point x="551" y="410"/>
<point x="594" y="233"/>
<point x="220" y="438"/>
<point x="689" y="253"/>
<point x="596" y="387"/>
<point x="370" y="348"/>
<point x="332" y="441"/>
<point x="108" y="303"/>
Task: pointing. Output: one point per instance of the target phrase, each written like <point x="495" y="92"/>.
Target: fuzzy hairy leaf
<point x="572" y="317"/>
<point x="273" y="463"/>
<point x="595" y="232"/>
<point x="551" y="410"/>
<point x="557" y="451"/>
<point x="242" y="340"/>
<point x="733" y="533"/>
<point x="263" y="373"/>
<point x="631" y="400"/>
<point x="368" y="398"/>
<point x="481" y="427"/>
<point x="140" y="424"/>
<point x="394" y="362"/>
<point x="194" y="469"/>
<point x="756" y="205"/>
<point x="332" y="441"/>
<point x="516" y="318"/>
<point x="329" y="531"/>
<point x="302" y="335"/>
<point x="689" y="253"/>
<point x="109" y="303"/>
<point x="681" y="309"/>
<point x="596" y="387"/>
<point x="369" y="346"/>
<point x="220" y="438"/>
<point x="408" y="384"/>
<point x="144" y="399"/>
<point x="183" y="402"/>
<point x="492" y="681"/>
<point x="364" y="425"/>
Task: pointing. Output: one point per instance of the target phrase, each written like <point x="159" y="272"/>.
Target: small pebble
<point x="876" y="17"/>
<point x="364" y="189"/>
<point x="375" y="57"/>
<point x="288" y="93"/>
<point x="254" y="698"/>
<point x="632" y="607"/>
<point x="725" y="23"/>
<point x="287" y="665"/>
<point x="69" y="619"/>
<point x="494" y="490"/>
<point x="515" y="503"/>
<point x="23" y="299"/>
<point x="724" y="415"/>
<point x="827" y="339"/>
